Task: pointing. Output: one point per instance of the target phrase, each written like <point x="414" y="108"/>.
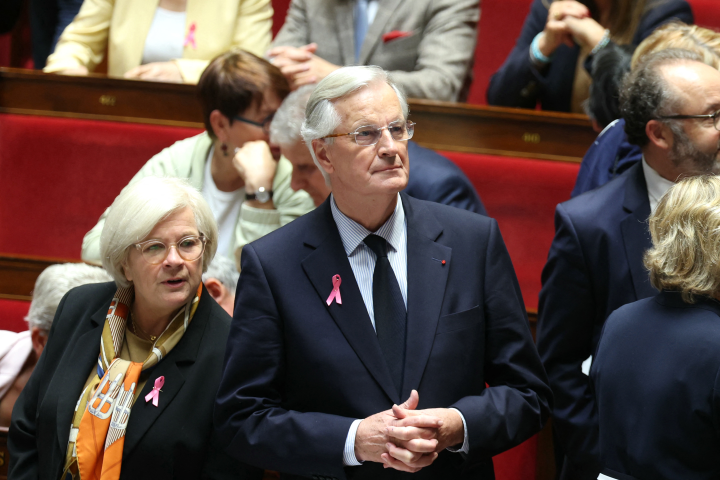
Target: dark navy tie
<point x="390" y="312"/>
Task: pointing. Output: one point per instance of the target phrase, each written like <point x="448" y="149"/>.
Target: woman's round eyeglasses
<point x="368" y="135"/>
<point x="190" y="248"/>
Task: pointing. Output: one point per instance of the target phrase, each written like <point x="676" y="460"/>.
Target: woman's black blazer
<point x="174" y="440"/>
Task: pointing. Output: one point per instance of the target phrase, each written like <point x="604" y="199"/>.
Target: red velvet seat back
<point x="521" y="194"/>
<point x="57" y="175"/>
<point x="707" y="13"/>
<point x="12" y="315"/>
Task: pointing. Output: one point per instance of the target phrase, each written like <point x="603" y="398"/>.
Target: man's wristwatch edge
<point x="262" y="195"/>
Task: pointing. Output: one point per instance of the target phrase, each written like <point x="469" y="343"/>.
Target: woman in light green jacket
<point x="231" y="163"/>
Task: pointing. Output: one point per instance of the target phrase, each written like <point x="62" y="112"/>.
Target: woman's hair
<point x="142" y="205"/>
<point x="321" y="118"/>
<point x="235" y="81"/>
<point x="52" y="285"/>
<point x="609" y="68"/>
<point x="685" y="230"/>
<point x="702" y="41"/>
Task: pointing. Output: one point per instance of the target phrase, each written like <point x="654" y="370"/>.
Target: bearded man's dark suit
<point x="298" y="372"/>
<point x="595" y="266"/>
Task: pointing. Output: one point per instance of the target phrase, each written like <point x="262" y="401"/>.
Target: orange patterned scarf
<point x="102" y="413"/>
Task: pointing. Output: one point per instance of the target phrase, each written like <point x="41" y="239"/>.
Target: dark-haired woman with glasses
<point x="126" y="384"/>
<point x="231" y="163"/>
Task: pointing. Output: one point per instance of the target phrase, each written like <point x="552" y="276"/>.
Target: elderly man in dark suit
<point x="670" y="105"/>
<point x="427" y="45"/>
<point x="434" y="177"/>
<point x="370" y="299"/>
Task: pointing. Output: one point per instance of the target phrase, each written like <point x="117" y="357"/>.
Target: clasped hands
<point x="407" y="439"/>
<point x="569" y="21"/>
<point x="300" y="65"/>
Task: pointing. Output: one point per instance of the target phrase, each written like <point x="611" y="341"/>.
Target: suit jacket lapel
<point x="83" y="360"/>
<point x="427" y="278"/>
<point x="345" y="25"/>
<point x="144" y="414"/>
<point x="386" y="10"/>
<point x="634" y="228"/>
<point x="327" y="259"/>
<point x="143" y="14"/>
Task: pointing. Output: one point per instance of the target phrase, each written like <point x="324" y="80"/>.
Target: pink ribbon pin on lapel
<point x="335" y="294"/>
<point x="190" y="39"/>
<point x="154" y="395"/>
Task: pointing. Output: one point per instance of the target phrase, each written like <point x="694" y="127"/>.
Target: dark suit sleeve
<point x="22" y="442"/>
<point x="518" y="401"/>
<point x="662" y="14"/>
<point x="249" y="412"/>
<point x="564" y="340"/>
<point x="459" y="193"/>
<point x="518" y="82"/>
<point x="294" y="32"/>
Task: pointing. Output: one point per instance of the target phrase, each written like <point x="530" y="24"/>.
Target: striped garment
<point x="362" y="259"/>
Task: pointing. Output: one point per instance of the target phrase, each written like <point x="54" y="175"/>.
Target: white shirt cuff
<point x="349" y="459"/>
<point x="465" y="446"/>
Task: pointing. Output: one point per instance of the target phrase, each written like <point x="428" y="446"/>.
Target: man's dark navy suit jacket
<point x="595" y="266"/>
<point x="298" y="372"/>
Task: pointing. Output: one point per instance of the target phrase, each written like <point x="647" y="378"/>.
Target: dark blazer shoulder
<point x="606" y="202"/>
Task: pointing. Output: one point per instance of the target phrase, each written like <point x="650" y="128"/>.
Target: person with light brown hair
<point x="655" y="375"/>
<point x="611" y="154"/>
<point x="231" y="163"/>
<point x="552" y="58"/>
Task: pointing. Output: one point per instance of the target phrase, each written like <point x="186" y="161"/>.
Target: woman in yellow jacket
<point x="163" y="40"/>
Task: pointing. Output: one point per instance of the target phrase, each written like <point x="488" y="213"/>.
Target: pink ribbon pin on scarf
<point x="154" y="395"/>
<point x="335" y="291"/>
<point x="190" y="39"/>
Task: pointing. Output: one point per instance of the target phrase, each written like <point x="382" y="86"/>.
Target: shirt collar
<point x="353" y="234"/>
<point x="656" y="185"/>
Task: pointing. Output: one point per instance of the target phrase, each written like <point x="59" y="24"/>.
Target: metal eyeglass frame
<point x="409" y="128"/>
<point x="140" y="246"/>
<point x="714" y="117"/>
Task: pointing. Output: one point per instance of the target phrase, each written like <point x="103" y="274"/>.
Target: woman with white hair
<point x="127" y="380"/>
<point x="656" y="374"/>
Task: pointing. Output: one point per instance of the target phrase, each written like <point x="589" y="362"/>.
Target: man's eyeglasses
<point x="189" y="248"/>
<point x="265" y="124"/>
<point x="714" y="117"/>
<point x="370" y="134"/>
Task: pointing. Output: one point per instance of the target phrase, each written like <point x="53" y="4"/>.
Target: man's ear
<point x="659" y="134"/>
<point x="320" y="147"/>
<point x="39" y="340"/>
<point x="219" y="124"/>
<point x="216" y="289"/>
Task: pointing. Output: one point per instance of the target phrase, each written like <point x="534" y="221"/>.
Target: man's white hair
<point x="52" y="285"/>
<point x="321" y="117"/>
<point x="142" y="205"/>
<point x="224" y="271"/>
<point x="285" y="129"/>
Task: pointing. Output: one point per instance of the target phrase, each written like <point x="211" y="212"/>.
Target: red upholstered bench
<point x="12" y="315"/>
<point x="521" y="194"/>
<point x="57" y="175"/>
<point x="707" y="13"/>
